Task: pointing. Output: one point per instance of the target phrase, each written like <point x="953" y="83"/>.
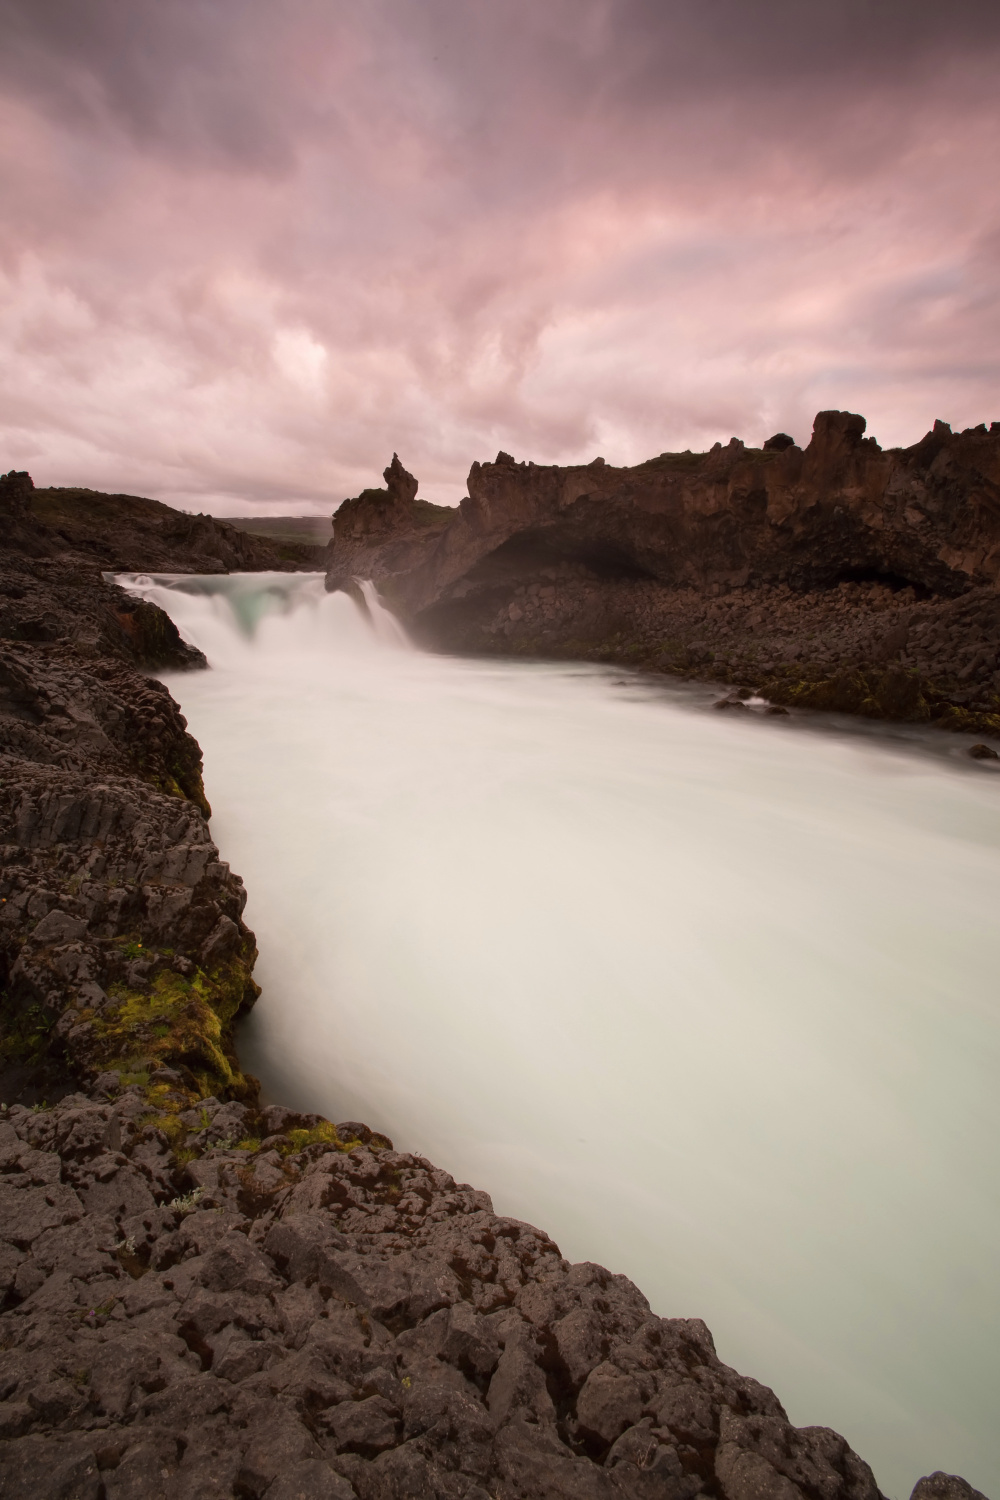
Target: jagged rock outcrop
<point x="927" y="515"/>
<point x="815" y="576"/>
<point x="389" y="530"/>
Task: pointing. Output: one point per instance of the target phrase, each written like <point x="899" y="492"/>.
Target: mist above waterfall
<point x="712" y="1001"/>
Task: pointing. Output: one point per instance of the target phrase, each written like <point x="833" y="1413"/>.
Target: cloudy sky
<point x="248" y="248"/>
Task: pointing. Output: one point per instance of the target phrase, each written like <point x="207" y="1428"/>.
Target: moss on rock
<point x="184" y="1023"/>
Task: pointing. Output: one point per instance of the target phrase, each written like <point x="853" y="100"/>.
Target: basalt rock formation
<point x="201" y="1297"/>
<point x="838" y="577"/>
<point x="122" y="947"/>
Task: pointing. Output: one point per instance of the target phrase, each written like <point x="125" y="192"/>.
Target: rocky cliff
<point x="128" y="533"/>
<point x="109" y="875"/>
<point x="839" y="576"/>
<point x="200" y="1297"/>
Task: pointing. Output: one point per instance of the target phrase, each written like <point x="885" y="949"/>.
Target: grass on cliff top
<point x="425" y="513"/>
<point x="314" y="531"/>
<point x="689" y="460"/>
<point x="62" y="507"/>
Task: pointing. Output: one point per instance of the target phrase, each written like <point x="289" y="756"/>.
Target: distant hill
<point x="131" y="533"/>
<point x="311" y="530"/>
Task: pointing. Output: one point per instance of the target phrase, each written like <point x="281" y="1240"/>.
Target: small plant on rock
<point x="188" y="1203"/>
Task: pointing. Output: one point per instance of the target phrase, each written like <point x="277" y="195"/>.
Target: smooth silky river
<point x="711" y="998"/>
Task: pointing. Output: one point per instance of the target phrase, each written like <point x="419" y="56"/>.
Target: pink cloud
<point x="239" y="266"/>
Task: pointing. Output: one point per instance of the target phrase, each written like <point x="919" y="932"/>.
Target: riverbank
<point x="836" y="577"/>
<point x="205" y="1298"/>
<point x="858" y="648"/>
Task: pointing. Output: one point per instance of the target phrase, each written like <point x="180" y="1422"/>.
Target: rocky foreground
<point x="202" y="1297"/>
<point x="837" y="577"/>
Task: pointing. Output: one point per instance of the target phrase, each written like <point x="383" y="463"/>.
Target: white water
<point x="714" y="1002"/>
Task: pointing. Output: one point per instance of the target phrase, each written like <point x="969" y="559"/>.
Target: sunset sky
<point x="249" y="248"/>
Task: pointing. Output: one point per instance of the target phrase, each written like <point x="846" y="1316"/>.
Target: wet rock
<point x="982" y="752"/>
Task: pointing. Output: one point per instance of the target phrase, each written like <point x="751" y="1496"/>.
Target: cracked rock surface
<point x="340" y="1319"/>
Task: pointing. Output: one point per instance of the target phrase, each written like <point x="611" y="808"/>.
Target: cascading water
<point x="712" y="1001"/>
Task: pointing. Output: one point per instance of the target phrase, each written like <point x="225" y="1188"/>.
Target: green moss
<point x="322" y="1134"/>
<point x="968" y="721"/>
<point x="183" y="1023"/>
<point x="325" y="1134"/>
<point x="873" y="693"/>
<point x="172" y="1127"/>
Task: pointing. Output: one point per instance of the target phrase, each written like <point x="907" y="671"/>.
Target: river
<point x="712" y="998"/>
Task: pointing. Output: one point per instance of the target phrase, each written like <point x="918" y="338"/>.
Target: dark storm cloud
<point x="767" y="42"/>
<point x="221" y="74"/>
<point x="250" y="247"/>
<point x="176" y="74"/>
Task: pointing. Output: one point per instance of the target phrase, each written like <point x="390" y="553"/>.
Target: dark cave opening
<point x="885" y="577"/>
<point x="531" y="551"/>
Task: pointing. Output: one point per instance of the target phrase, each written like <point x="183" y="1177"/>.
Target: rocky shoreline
<point x="203" y="1297"/>
<point x="838" y="577"/>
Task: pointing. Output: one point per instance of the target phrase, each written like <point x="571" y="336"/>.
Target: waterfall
<point x="712" y="998"/>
